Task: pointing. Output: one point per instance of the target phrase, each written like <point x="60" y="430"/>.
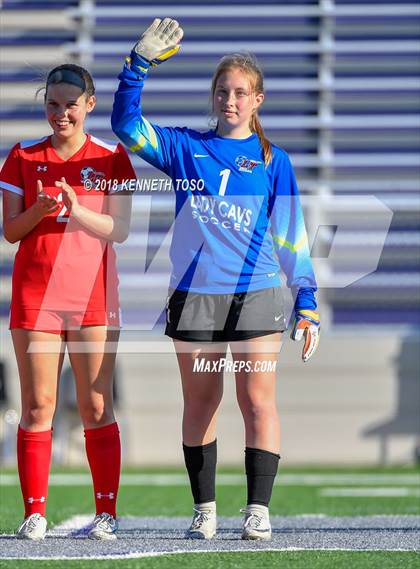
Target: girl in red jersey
<point x="58" y="203"/>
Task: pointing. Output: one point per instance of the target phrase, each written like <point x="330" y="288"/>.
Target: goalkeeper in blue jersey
<point x="238" y="224"/>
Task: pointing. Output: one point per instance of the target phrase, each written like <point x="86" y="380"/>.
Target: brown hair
<point x="248" y="64"/>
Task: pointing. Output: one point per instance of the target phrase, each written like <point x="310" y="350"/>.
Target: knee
<point x="96" y="413"/>
<point x="257" y="408"/>
<point x="202" y="405"/>
<point x="37" y="411"/>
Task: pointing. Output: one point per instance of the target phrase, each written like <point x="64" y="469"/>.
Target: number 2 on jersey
<point x="225" y="176"/>
<point x="63" y="216"/>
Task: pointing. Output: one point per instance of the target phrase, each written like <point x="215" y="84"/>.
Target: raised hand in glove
<point x="307" y="325"/>
<point x="159" y="41"/>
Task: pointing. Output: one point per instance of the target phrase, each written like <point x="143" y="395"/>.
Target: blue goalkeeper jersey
<point x="238" y="224"/>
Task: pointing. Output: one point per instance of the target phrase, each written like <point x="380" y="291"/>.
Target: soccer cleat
<point x="203" y="525"/>
<point x="256" y="522"/>
<point x="33" y="527"/>
<point x="104" y="527"/>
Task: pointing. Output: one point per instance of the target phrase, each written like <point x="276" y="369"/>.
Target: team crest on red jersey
<point x="244" y="164"/>
<point x="89" y="173"/>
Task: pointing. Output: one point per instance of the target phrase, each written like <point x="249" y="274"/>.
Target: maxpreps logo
<point x="91" y="178"/>
<point x="244" y="164"/>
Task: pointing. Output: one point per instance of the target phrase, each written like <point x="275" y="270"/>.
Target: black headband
<point x="66" y="76"/>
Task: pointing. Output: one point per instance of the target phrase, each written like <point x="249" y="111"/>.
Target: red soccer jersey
<point x="60" y="265"/>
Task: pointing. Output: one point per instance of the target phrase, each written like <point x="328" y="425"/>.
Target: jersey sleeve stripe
<point x="112" y="147"/>
<point x="11" y="188"/>
<point x="139" y="145"/>
<point x="31" y="142"/>
<point x="293" y="248"/>
<point x="151" y="133"/>
<point x="149" y="136"/>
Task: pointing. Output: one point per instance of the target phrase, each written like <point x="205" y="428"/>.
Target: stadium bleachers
<point x="342" y="81"/>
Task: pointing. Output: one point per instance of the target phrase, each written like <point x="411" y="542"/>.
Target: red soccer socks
<point x="34" y="457"/>
<point x="103" y="451"/>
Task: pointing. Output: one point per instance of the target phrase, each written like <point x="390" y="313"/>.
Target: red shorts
<point x="58" y="321"/>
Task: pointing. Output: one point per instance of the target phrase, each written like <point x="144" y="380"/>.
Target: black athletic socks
<point x="201" y="466"/>
<point x="260" y="466"/>
<point x="261" y="469"/>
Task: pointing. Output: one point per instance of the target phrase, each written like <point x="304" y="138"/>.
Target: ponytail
<point x="256" y="127"/>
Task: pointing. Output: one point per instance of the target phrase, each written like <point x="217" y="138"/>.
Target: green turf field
<point x="256" y="560"/>
<point x="148" y="500"/>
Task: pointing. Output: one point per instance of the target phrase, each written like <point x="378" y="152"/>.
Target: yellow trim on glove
<point x="165" y="55"/>
<point x="310" y="314"/>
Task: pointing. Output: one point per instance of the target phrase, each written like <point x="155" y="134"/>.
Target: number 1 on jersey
<point x="225" y="176"/>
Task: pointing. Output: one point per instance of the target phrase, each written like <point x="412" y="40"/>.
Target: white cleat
<point x="256" y="522"/>
<point x="104" y="527"/>
<point x="203" y="525"/>
<point x="33" y="527"/>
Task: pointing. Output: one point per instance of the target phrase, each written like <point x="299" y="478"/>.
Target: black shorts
<point x="196" y="317"/>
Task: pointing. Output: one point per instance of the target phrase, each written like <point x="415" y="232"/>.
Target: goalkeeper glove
<point x="159" y="41"/>
<point x="307" y="324"/>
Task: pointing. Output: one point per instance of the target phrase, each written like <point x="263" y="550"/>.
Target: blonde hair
<point x="248" y="64"/>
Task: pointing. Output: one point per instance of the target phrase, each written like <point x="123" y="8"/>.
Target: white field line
<point x="230" y="479"/>
<point x="65" y="527"/>
<point x="74" y="523"/>
<point x="78" y="522"/>
<point x="138" y="555"/>
<point x="390" y="492"/>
